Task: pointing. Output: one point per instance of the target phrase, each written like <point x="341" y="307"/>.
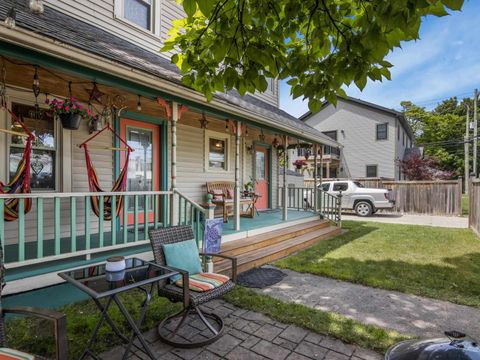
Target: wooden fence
<point x="421" y="197"/>
<point x="474" y="213"/>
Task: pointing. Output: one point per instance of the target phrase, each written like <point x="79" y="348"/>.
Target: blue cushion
<point x="183" y="255"/>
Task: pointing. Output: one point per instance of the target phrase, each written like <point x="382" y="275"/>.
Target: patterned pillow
<point x="230" y="194"/>
<point x="217" y="195"/>
<point x="10" y="354"/>
<point x="204" y="281"/>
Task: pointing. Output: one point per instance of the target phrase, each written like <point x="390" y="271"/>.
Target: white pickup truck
<point x="364" y="201"/>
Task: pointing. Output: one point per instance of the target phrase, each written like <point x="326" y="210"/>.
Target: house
<point x="105" y="55"/>
<point x="373" y="138"/>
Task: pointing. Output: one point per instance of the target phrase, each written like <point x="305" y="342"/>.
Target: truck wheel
<point x="363" y="208"/>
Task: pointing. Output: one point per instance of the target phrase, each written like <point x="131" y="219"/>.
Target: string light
<point x="10" y="20"/>
<point x="226" y="126"/>
<point x="36" y="6"/>
<point x="139" y="104"/>
<point x="36" y="83"/>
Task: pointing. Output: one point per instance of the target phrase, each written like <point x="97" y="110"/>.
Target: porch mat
<point x="260" y="278"/>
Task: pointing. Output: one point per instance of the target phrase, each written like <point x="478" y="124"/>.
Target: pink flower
<point x="89" y="112"/>
<point x="72" y="99"/>
<point x="55" y="102"/>
<point x="47" y="101"/>
<point x="74" y="107"/>
<point x="80" y="106"/>
<point x="59" y="106"/>
<point x="67" y="108"/>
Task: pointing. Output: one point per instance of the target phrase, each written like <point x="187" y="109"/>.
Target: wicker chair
<point x="192" y="300"/>
<point x="59" y="320"/>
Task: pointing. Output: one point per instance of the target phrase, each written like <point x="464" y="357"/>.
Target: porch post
<point x="237" y="175"/>
<point x="315" y="164"/>
<point x="173" y="176"/>
<point x="285" y="189"/>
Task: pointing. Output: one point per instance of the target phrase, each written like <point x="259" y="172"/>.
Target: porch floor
<point x="264" y="219"/>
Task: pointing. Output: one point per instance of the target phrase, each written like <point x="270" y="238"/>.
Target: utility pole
<point x="475" y="134"/>
<point x="467" y="150"/>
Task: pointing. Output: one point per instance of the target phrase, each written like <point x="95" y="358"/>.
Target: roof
<point x="87" y="37"/>
<point x="397" y="114"/>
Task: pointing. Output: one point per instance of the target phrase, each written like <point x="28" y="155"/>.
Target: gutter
<point x="51" y="47"/>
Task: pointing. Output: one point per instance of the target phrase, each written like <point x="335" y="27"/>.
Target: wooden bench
<point x="223" y="195"/>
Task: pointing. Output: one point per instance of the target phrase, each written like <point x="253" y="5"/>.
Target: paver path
<point x="407" y="219"/>
<point x="407" y="314"/>
<point x="252" y="336"/>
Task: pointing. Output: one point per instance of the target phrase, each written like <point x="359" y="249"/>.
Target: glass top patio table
<point x="98" y="283"/>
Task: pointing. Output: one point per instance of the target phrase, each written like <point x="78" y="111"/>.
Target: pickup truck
<point x="364" y="201"/>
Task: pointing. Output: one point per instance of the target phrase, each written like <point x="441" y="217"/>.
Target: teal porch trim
<point x="270" y="172"/>
<point x="49" y="61"/>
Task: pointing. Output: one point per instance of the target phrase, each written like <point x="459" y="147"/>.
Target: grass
<point x="439" y="263"/>
<point x="465" y="205"/>
<point x="36" y="336"/>
<point x="327" y="323"/>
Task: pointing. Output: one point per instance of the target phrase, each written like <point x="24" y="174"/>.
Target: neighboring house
<point x="372" y="139"/>
<point x="107" y="53"/>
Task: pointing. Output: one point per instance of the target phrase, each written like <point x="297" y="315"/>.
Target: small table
<point x="99" y="284"/>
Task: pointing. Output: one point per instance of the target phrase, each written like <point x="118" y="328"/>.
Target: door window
<point x="342" y="186"/>
<point x="140" y="167"/>
<point x="260" y="165"/>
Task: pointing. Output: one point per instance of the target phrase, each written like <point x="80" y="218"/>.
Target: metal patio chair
<point x="193" y="299"/>
<point x="58" y="319"/>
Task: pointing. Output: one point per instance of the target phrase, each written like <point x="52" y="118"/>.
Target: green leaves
<point x="319" y="46"/>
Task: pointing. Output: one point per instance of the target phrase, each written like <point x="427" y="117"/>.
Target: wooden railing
<point x="62" y="225"/>
<point x="302" y="198"/>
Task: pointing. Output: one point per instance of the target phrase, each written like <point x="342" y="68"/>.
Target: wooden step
<point x="270" y="253"/>
<point x="241" y="246"/>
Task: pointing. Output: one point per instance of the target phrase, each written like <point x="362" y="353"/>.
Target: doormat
<point x="260" y="278"/>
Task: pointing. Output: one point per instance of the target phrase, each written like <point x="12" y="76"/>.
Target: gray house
<point x="373" y="139"/>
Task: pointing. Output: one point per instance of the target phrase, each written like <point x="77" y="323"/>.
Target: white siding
<point x="359" y="137"/>
<point x="101" y="13"/>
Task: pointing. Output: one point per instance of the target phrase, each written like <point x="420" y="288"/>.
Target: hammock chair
<point x="20" y="183"/>
<point x="94" y="184"/>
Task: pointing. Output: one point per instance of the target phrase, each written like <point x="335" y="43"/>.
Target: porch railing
<point x="63" y="225"/>
<point x="302" y="198"/>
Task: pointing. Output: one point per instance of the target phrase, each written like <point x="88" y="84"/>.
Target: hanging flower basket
<point x="70" y="121"/>
<point x="70" y="112"/>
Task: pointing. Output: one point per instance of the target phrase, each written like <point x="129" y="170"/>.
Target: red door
<point x="144" y="164"/>
<point x="262" y="176"/>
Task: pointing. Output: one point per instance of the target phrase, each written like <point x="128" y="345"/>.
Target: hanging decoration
<point x="261" y="136"/>
<point x="275" y="143"/>
<point x="203" y="122"/>
<point x="246" y="131"/>
<point x="227" y="130"/>
<point x="36" y="6"/>
<point x="95" y="94"/>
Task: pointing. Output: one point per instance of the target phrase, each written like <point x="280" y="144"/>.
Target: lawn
<point x="465" y="205"/>
<point x="440" y="263"/>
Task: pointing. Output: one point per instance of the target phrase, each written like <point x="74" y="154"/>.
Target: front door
<point x="144" y="164"/>
<point x="262" y="176"/>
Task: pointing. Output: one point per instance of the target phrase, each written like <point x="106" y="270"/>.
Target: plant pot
<point x="70" y="121"/>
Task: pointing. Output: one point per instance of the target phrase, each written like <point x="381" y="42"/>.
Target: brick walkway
<point x="250" y="336"/>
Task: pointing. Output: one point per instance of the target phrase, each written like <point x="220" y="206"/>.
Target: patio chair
<point x="192" y="300"/>
<point x="58" y="319"/>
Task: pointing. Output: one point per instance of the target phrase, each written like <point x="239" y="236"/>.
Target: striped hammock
<point x="20" y="183"/>
<point x="120" y="185"/>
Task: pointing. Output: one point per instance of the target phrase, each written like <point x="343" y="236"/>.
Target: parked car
<point x="364" y="201"/>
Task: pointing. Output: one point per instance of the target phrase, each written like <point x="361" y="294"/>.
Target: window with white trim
<point x="141" y="14"/>
<point x="382" y="131"/>
<point x="43" y="165"/>
<point x="216" y="152"/>
<point x="372" y="171"/>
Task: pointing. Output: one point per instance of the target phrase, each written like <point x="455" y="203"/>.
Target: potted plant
<point x="70" y="112"/>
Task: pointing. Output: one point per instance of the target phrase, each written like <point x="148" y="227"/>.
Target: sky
<point x="445" y="62"/>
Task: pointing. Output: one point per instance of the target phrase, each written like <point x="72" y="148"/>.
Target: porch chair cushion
<point x="217" y="195"/>
<point x="230" y="194"/>
<point x="10" y="354"/>
<point x="204" y="281"/>
<point x="183" y="255"/>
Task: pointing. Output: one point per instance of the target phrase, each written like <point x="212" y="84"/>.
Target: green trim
<point x="270" y="172"/>
<point x="164" y="170"/>
<point x="41" y="59"/>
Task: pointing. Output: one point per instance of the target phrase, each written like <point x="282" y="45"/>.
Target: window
<point x="382" y="131"/>
<point x="372" y="171"/>
<point x="217" y="153"/>
<point x="341" y="186"/>
<point x="260" y="165"/>
<point x="43" y="157"/>
<point x="138" y="12"/>
<point x="331" y="134"/>
<point x="326" y="186"/>
<point x="271" y="84"/>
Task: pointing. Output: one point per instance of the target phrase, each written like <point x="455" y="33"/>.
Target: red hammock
<point x="94" y="184"/>
<point x="20" y="183"/>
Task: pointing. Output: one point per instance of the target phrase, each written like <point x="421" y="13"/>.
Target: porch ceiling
<point x="95" y="41"/>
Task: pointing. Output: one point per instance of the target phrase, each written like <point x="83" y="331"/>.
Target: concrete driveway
<point x="408" y="219"/>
